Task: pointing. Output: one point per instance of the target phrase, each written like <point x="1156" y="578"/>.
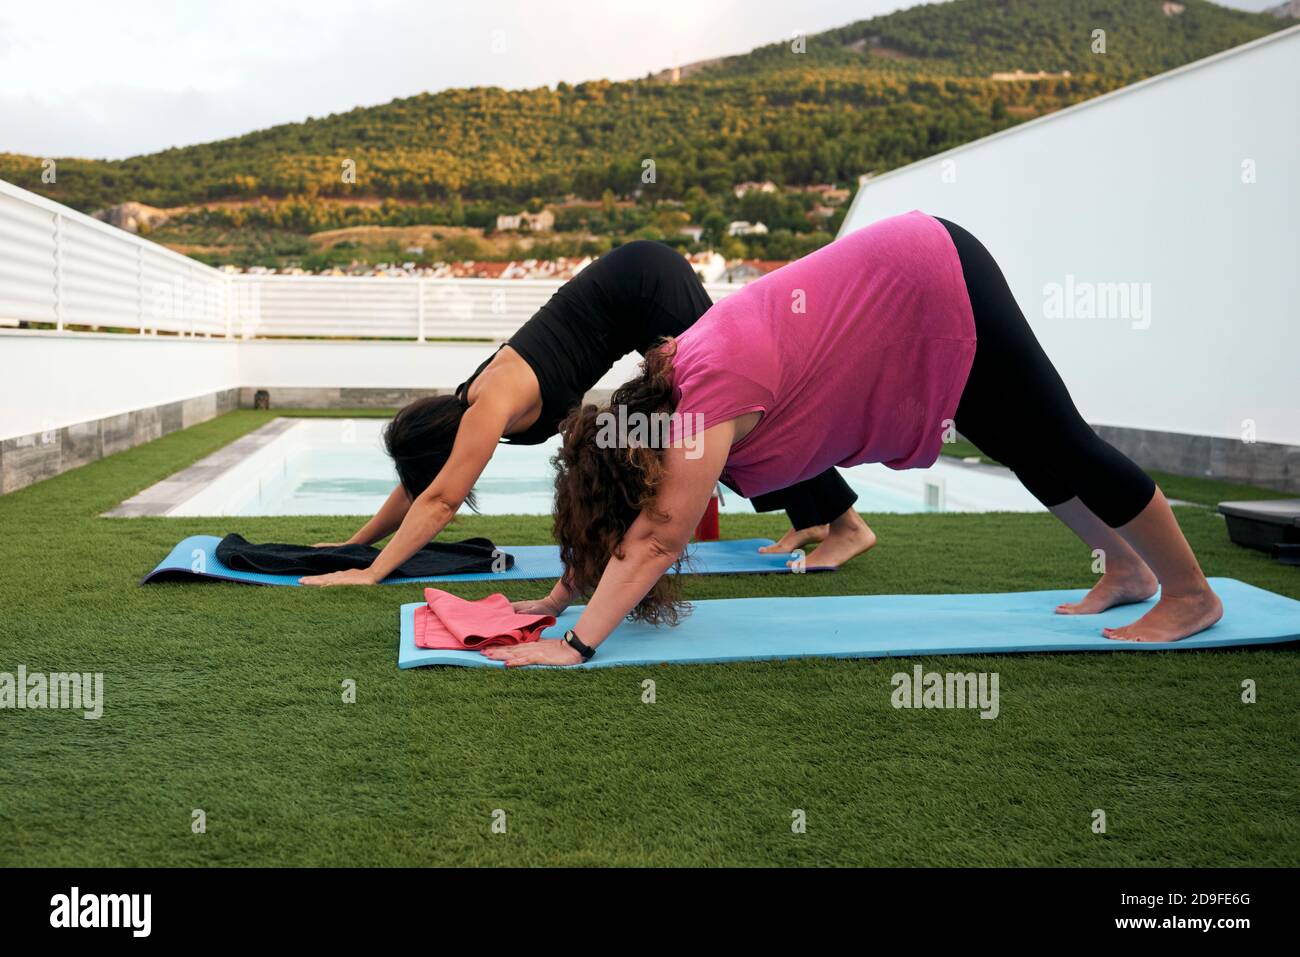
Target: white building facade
<point x="1152" y="238"/>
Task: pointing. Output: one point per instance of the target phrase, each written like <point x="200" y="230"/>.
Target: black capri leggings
<point x="1016" y="409"/>
<point x="815" y="501"/>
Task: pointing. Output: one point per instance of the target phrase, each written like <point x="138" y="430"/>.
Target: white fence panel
<point x="100" y="286"/>
<point x="181" y="297"/>
<point x="482" y="308"/>
<point x="28" y="266"/>
<point x="721" y="290"/>
<point x="392" y="308"/>
<point x="60" y="266"/>
<point x="331" y="306"/>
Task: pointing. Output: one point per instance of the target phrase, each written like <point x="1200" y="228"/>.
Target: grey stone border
<point x="319" y="397"/>
<point x="290" y="397"/>
<point x="161" y="497"/>
<point x="27" y="459"/>
<point x="1267" y="464"/>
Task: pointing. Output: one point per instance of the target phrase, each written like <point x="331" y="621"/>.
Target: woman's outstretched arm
<point x="649" y="549"/>
<point x="386" y="521"/>
<point x="480" y="430"/>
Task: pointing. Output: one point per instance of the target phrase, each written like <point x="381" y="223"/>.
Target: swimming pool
<point x="338" y="467"/>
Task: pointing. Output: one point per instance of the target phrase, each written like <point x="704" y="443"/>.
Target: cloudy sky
<point x="89" y="78"/>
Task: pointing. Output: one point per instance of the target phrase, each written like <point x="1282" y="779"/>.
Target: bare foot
<point x="1113" y="588"/>
<point x="797" y="538"/>
<point x="845" y="541"/>
<point x="1173" y="618"/>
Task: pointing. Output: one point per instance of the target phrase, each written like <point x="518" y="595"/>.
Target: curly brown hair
<point x="599" y="492"/>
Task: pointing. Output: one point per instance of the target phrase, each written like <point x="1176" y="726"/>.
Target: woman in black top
<point x="625" y="301"/>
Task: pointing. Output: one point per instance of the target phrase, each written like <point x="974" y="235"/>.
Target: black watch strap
<point x="573" y="641"/>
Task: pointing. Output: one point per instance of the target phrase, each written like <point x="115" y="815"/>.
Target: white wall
<point x="1145" y="185"/>
<point x="50" y="380"/>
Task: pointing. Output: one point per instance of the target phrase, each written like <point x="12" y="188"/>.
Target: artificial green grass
<point x="228" y="699"/>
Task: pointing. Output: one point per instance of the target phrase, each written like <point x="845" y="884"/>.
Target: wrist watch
<point x="573" y="641"/>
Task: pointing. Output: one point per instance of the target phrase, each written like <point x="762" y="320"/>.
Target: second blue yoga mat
<point x="889" y="626"/>
<point x="195" y="559"/>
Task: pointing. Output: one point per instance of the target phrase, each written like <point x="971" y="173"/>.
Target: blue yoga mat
<point x="195" y="559"/>
<point x="889" y="626"/>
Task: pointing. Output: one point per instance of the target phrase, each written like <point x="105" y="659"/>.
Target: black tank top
<point x="624" y="301"/>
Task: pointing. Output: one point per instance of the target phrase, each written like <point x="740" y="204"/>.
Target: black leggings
<point x="815" y="501"/>
<point x="1016" y="409"/>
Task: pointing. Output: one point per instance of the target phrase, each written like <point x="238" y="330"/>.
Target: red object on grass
<point x="707" y="530"/>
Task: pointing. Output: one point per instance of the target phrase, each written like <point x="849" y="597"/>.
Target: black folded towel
<point x="436" y="558"/>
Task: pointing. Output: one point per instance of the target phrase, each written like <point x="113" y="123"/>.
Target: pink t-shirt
<point x="856" y="353"/>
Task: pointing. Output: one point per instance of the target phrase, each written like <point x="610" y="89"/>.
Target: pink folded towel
<point x="453" y="623"/>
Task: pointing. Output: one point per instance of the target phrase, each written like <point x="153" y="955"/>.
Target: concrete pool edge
<point x="193" y="490"/>
<point x="159" y="499"/>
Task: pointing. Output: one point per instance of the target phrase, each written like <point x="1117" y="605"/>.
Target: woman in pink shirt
<point x="876" y="348"/>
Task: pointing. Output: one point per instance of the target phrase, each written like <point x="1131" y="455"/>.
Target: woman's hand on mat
<point x="329" y="544"/>
<point x="548" y="651"/>
<point x="536" y="606"/>
<point x="353" y="576"/>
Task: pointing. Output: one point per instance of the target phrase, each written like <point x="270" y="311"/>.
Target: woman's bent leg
<point x="820" y="510"/>
<point x="1187" y="603"/>
<point x="1016" y="403"/>
<point x="815" y="501"/>
<point x="1125" y="577"/>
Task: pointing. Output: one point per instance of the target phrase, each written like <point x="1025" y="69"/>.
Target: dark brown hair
<point x="599" y="492"/>
<point x="419" y="440"/>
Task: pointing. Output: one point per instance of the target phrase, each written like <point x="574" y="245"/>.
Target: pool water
<point x="338" y="467"/>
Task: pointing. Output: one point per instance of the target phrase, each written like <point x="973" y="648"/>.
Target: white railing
<point x="63" y="268"/>
<point x="392" y="308"/>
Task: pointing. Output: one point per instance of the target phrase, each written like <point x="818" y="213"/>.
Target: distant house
<point x="694" y="232"/>
<point x="1022" y="75"/>
<point x="740" y="189"/>
<point x="741" y="227"/>
<point x="829" y="194"/>
<point x="709" y="266"/>
<point x="562" y="268"/>
<point x="747" y="270"/>
<point x="471" y="269"/>
<point x="526" y="222"/>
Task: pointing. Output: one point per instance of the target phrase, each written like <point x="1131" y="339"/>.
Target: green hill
<point x="980" y="37"/>
<point x="869" y="96"/>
